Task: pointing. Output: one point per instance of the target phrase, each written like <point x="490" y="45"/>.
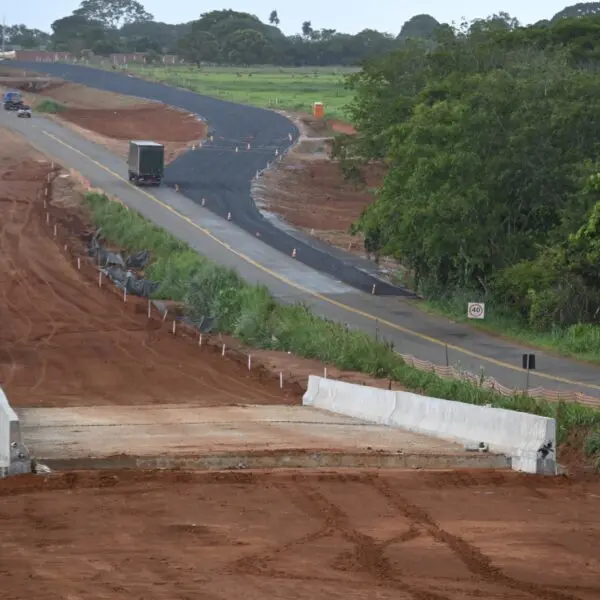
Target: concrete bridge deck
<point x="171" y="436"/>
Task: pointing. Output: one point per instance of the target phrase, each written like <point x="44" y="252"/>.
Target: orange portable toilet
<point x="318" y="110"/>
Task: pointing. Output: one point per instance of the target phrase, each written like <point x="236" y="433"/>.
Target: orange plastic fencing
<point x="491" y="384"/>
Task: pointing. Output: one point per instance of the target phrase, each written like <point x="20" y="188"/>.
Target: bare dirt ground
<point x="292" y="535"/>
<point x="110" y="119"/>
<point x="308" y="190"/>
<point x="65" y="342"/>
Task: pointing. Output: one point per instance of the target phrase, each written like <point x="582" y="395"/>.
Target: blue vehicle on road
<point x="12" y="100"/>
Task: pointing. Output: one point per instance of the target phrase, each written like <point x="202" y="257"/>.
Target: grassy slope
<point x="252" y="315"/>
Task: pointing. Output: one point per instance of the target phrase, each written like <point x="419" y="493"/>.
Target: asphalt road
<point x="395" y="319"/>
<point x="222" y="176"/>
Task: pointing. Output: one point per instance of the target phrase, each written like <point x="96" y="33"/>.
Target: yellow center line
<point x="341" y="305"/>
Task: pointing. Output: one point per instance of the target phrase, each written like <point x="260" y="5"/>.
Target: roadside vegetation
<point x="50" y="106"/>
<point x="251" y="314"/>
<point x="493" y="186"/>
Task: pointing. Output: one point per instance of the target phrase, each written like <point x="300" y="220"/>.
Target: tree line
<point x="492" y="140"/>
<point x="221" y="36"/>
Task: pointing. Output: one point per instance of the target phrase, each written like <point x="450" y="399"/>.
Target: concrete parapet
<point x="529" y="440"/>
<point x="14" y="456"/>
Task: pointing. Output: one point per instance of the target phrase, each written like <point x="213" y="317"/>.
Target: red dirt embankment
<point x="107" y="118"/>
<point x="154" y="122"/>
<point x="291" y="535"/>
<point x="65" y="342"/>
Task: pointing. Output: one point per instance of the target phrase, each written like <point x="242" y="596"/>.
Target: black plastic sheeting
<point x="121" y="271"/>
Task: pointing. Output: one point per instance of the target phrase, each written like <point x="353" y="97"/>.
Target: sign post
<point x="476" y="310"/>
<point x="528" y="363"/>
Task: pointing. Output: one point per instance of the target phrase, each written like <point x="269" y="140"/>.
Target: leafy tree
<point x="274" y="18"/>
<point x="307" y="29"/>
<point x="113" y="13"/>
<point x="164" y="36"/>
<point x="200" y="46"/>
<point x="20" y="35"/>
<point x="491" y="141"/>
<point x="419" y="27"/>
<point x="76" y="33"/>
<point x="246" y="46"/>
<point x="582" y="9"/>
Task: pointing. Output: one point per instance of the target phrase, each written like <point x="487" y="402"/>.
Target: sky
<point x="348" y="16"/>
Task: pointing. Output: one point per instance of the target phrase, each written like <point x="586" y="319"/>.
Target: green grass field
<point x="294" y="89"/>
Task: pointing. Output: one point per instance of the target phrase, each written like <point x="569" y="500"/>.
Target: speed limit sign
<point x="476" y="310"/>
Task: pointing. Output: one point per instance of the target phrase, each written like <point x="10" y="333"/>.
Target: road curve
<point x="396" y="319"/>
<point x="223" y="176"/>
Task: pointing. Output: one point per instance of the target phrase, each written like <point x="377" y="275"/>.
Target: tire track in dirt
<point x="474" y="559"/>
<point x="11" y="240"/>
<point x="367" y="554"/>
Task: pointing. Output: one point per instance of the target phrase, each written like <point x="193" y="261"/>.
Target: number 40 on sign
<point x="476" y="310"/>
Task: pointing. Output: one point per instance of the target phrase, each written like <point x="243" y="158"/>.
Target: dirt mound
<point x="110" y="119"/>
<point x="154" y="122"/>
<point x="444" y="536"/>
<point x="65" y="342"/>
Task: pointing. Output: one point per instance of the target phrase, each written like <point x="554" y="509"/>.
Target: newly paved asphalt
<point x="223" y="176"/>
<point x="396" y="319"/>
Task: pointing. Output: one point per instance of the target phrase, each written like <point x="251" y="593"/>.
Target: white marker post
<point x="174" y="326"/>
<point x="280" y="380"/>
<point x="55" y="229"/>
<point x="249" y="362"/>
<point x="325" y="373"/>
<point x="78" y="263"/>
<point x="99" y="278"/>
<point x="200" y="340"/>
<point x="124" y="294"/>
<point x="223" y="350"/>
<point x="149" y="308"/>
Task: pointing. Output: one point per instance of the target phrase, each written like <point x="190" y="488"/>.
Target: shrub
<point x="50" y="106"/>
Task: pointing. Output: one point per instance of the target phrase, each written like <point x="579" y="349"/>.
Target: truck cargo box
<point x="146" y="162"/>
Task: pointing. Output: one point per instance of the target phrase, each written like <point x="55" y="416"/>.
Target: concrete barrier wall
<point x="7" y="418"/>
<point x="14" y="456"/>
<point x="518" y="435"/>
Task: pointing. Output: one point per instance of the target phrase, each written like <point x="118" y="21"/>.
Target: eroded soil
<point x="292" y="535"/>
